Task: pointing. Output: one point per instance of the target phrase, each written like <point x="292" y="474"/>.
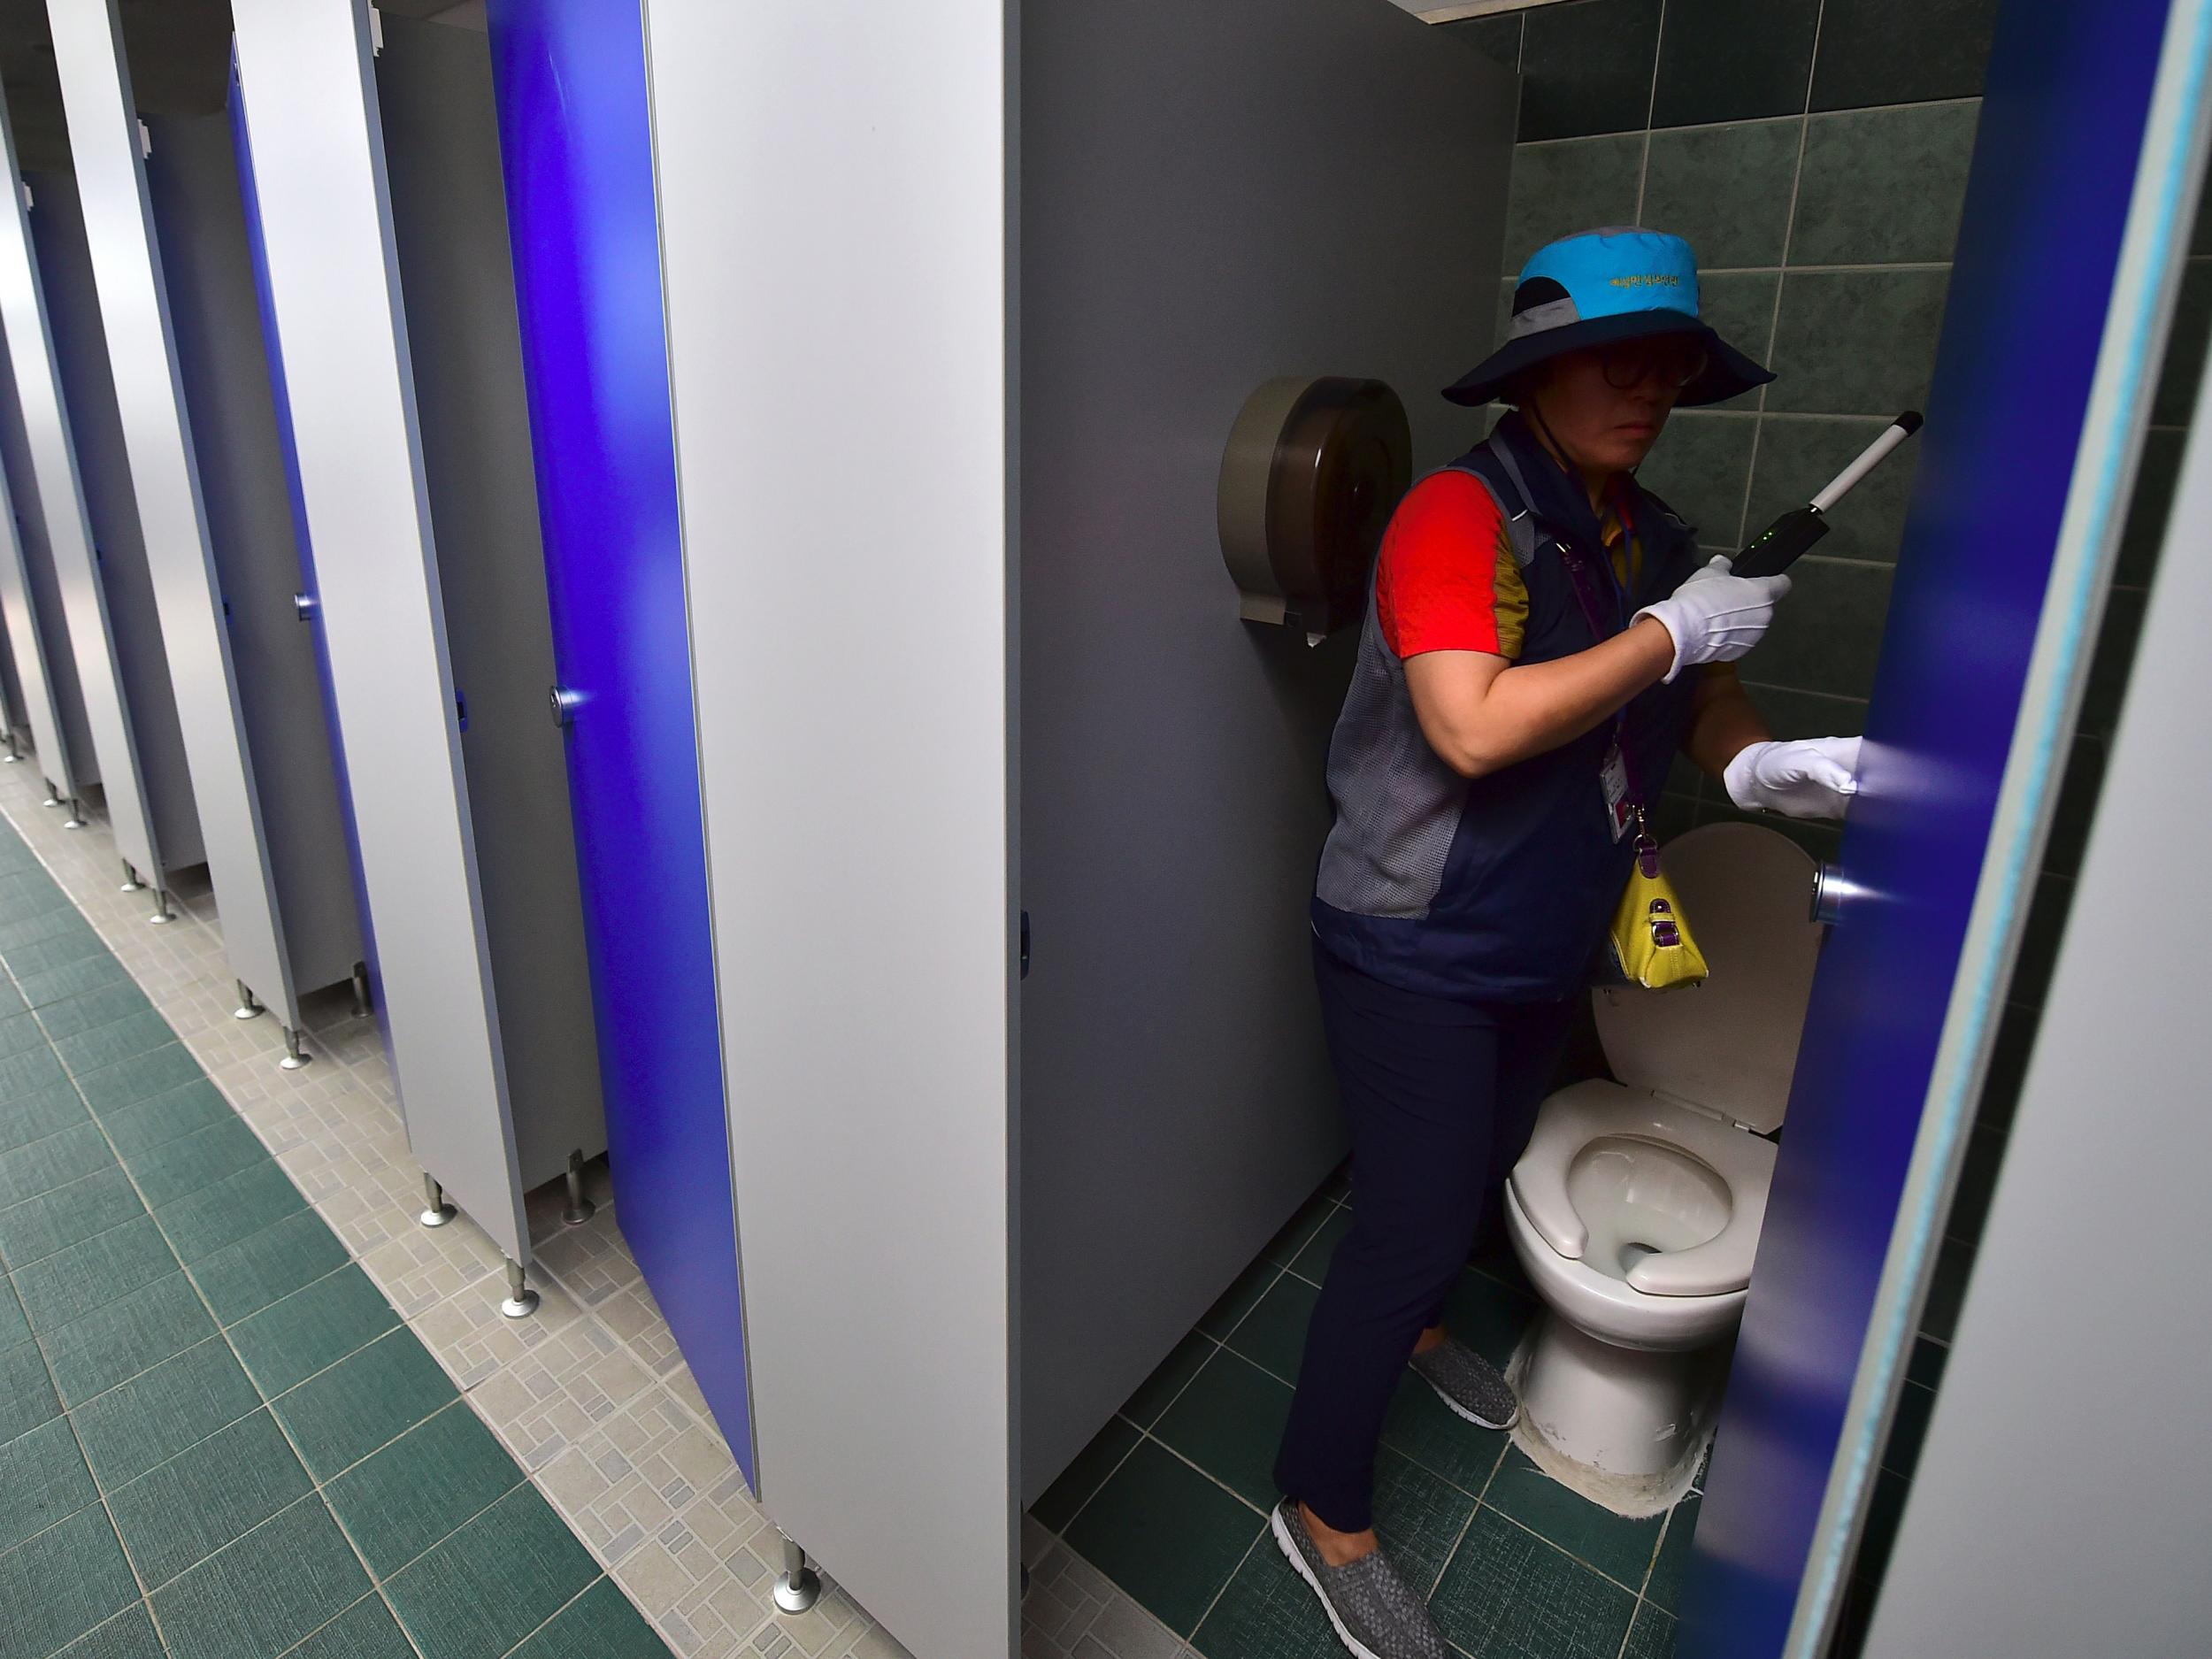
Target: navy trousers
<point x="1441" y="1096"/>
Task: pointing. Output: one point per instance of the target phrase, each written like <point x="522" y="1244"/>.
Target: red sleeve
<point x="1446" y="579"/>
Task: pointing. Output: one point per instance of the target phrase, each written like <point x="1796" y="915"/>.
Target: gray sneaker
<point x="1469" y="1384"/>
<point x="1376" y="1614"/>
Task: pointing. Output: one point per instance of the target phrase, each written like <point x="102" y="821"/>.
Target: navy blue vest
<point x="1497" y="888"/>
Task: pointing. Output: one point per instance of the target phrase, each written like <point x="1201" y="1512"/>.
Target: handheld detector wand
<point x="1784" y="542"/>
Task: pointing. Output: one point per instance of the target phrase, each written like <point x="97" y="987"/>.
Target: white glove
<point x="1815" y="776"/>
<point x="1715" y="616"/>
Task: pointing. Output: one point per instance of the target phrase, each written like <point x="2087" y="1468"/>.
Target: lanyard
<point x="1584" y="582"/>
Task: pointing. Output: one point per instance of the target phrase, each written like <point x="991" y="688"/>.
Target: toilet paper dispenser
<point x="1313" y="468"/>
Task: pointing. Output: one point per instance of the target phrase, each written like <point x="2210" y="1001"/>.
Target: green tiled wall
<point x="1815" y="153"/>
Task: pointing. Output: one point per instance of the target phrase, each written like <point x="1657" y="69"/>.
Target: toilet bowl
<point x="1635" y="1210"/>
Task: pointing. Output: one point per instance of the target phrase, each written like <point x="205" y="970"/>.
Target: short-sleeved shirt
<point x="1446" y="579"/>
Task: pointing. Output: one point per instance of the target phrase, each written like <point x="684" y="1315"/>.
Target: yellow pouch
<point x="1650" y="938"/>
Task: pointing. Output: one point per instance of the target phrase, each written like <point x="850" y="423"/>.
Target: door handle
<point x="565" y="703"/>
<point x="306" y="607"/>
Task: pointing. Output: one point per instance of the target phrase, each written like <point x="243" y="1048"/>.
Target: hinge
<point x="24" y="186"/>
<point x="145" y="142"/>
<point x="376" y="32"/>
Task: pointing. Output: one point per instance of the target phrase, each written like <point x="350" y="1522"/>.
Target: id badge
<point x="1613" y="777"/>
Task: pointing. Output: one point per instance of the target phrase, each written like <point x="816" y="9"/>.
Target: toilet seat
<point x="1585" y="1112"/>
<point x="1701" y="1068"/>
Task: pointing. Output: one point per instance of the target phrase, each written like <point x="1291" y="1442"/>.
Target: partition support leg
<point x="247" y="1008"/>
<point x="53" y="795"/>
<point x="293" y="1058"/>
<point x="436" y="1212"/>
<point x="14" y="752"/>
<point x="580" y="1209"/>
<point x="163" y="915"/>
<point x="131" y="883"/>
<point x="797" y="1588"/>
<point x="75" y="820"/>
<point x="360" y="990"/>
<point x="522" y="1301"/>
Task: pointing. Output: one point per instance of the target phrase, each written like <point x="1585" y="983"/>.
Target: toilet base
<point x="1624" y="1427"/>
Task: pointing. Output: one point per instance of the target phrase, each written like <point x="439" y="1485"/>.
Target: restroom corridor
<point x="280" y="1359"/>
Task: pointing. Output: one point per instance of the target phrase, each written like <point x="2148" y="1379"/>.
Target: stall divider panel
<point x="312" y="115"/>
<point x="14" y="725"/>
<point x="78" y="766"/>
<point x="836" y="254"/>
<point x="118" y="545"/>
<point x="307" y="596"/>
<point x="150" y="399"/>
<point x="192" y="179"/>
<point x="61" y="505"/>
<point x="441" y="144"/>
<point x="31" y="672"/>
<point x="576" y="143"/>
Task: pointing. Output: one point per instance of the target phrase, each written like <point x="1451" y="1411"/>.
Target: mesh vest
<point x="1496" y="889"/>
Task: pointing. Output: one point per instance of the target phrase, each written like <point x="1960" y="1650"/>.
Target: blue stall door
<point x="577" y="149"/>
<point x="1902" y="1010"/>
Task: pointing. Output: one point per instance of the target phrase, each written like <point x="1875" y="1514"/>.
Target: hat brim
<point x="1728" y="373"/>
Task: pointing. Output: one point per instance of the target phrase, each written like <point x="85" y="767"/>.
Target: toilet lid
<point x="1729" y="1045"/>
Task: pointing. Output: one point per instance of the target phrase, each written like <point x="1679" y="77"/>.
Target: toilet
<point x="1635" y="1211"/>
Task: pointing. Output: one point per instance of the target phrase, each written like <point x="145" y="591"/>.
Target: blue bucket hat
<point x="1600" y="288"/>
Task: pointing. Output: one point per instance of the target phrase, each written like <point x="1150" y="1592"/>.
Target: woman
<point x="1543" y="639"/>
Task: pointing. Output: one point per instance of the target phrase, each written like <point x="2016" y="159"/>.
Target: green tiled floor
<point x="217" y="1440"/>
<point x="1171" y="1501"/>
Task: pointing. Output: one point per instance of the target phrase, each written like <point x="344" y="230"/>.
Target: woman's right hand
<point x="1716" y="616"/>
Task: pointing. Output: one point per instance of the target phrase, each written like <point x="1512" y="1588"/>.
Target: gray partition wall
<point x="98" y="623"/>
<point x="41" y="633"/>
<point x="107" y="146"/>
<point x="33" y="712"/>
<point x="450" y="232"/>
<point x="216" y="321"/>
<point x="965" y="649"/>
<point x="117" y="540"/>
<point x="408" y="469"/>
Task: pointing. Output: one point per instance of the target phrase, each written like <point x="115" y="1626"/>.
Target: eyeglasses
<point x="1673" y="362"/>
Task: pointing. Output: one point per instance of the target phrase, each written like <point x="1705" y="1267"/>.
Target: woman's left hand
<point x="1813" y="777"/>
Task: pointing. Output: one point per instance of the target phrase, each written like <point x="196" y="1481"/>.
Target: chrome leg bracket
<point x="580" y="1209"/>
<point x="436" y="1212"/>
<point x="522" y="1301"/>
<point x="248" y="1007"/>
<point x="293" y="1058"/>
<point x="797" y="1586"/>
